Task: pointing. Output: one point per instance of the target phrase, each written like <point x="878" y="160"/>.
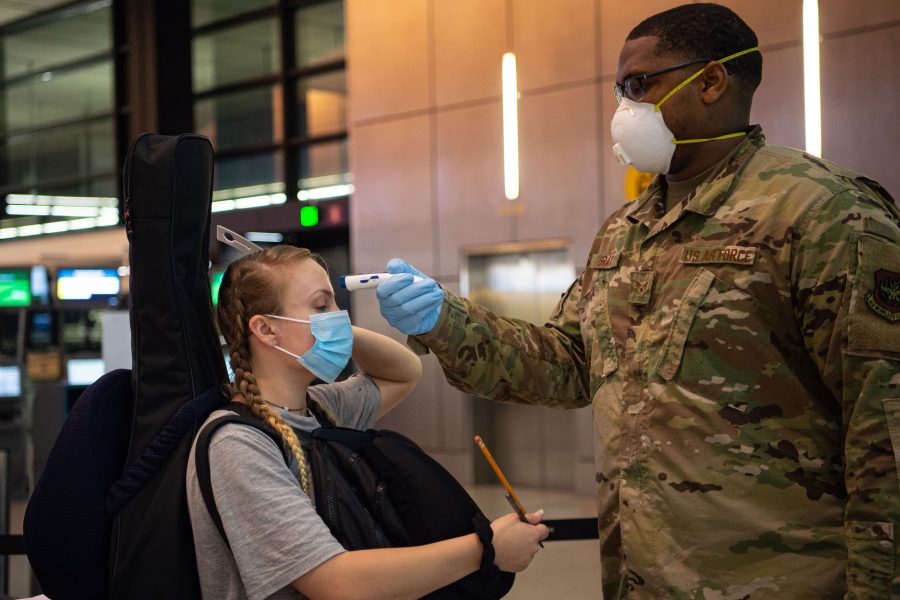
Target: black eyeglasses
<point x="633" y="87"/>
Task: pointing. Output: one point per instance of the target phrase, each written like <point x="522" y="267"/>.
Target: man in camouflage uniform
<point x="737" y="331"/>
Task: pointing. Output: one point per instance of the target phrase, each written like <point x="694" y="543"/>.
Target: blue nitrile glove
<point x="411" y="306"/>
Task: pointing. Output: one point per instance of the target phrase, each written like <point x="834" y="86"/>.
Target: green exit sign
<point x="309" y="216"/>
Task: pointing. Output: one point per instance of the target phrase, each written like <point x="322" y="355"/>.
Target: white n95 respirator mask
<point x="641" y="137"/>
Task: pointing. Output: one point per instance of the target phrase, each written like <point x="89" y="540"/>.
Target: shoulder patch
<point x="874" y="314"/>
<point x="884" y="298"/>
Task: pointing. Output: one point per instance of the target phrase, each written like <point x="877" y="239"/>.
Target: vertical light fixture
<point x="812" y="100"/>
<point x="510" y="127"/>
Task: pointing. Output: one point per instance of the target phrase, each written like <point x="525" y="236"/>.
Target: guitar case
<point x="176" y="355"/>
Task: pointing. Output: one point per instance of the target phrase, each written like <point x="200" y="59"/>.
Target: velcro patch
<point x="874" y="316"/>
<point x="605" y="261"/>
<point x="736" y="255"/>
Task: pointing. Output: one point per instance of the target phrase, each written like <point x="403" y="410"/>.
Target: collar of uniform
<point x="712" y="192"/>
<point x="643" y="208"/>
<point x="709" y="194"/>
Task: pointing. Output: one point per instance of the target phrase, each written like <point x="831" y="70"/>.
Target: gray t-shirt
<point x="275" y="533"/>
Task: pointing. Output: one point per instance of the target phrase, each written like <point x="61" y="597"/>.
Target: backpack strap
<point x="243" y="415"/>
<point x="316" y="411"/>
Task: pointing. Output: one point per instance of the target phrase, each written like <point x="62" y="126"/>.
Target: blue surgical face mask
<point x="332" y="348"/>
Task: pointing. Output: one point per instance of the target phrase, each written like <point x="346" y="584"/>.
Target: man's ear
<point x="261" y="329"/>
<point x="714" y="82"/>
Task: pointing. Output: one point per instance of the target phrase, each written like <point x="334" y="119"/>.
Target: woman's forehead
<point x="307" y="278"/>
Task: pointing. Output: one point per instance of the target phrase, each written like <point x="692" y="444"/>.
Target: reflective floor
<point x="561" y="571"/>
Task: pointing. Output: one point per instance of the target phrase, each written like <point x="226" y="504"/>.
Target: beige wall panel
<point x="585" y="472"/>
<point x="456" y="416"/>
<point x="419" y="415"/>
<point x="391" y="209"/>
<point x="469" y="41"/>
<point x="470" y="182"/>
<point x="840" y="15"/>
<point x="778" y="102"/>
<point x="617" y="19"/>
<point x="860" y="127"/>
<point x="559" y="166"/>
<point x="554" y="41"/>
<point x="387" y="57"/>
<point x="586" y="483"/>
<point x="559" y="452"/>
<point x="519" y="443"/>
<point x="773" y="21"/>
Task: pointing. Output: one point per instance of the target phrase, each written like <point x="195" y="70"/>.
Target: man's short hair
<point x="709" y="31"/>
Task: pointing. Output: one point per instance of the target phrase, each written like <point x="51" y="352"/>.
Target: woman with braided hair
<point x="278" y="315"/>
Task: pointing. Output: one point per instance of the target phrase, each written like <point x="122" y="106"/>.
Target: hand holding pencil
<point x="511" y="496"/>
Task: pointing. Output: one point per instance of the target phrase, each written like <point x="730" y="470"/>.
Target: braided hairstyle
<point x="251" y="287"/>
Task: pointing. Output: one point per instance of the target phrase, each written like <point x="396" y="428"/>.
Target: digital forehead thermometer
<point x="367" y="280"/>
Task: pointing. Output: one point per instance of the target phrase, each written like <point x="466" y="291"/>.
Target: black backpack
<point x="374" y="489"/>
<point x="69" y="520"/>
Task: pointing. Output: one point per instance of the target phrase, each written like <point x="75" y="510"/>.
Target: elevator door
<point x="535" y="446"/>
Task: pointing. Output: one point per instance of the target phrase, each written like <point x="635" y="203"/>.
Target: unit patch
<point x="884" y="298"/>
<point x="738" y="255"/>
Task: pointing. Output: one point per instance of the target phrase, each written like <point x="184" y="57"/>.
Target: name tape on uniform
<point x="737" y="255"/>
<point x="604" y="261"/>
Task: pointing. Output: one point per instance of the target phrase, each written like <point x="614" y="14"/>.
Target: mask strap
<point x="239" y="243"/>
<point x="287" y="352"/>
<point x="287" y="318"/>
<point x="712" y="139"/>
<point x="697" y="74"/>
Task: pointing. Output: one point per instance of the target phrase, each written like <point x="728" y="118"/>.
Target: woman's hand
<point x="515" y="542"/>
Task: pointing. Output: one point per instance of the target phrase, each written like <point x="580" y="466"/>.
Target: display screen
<point x="40" y="330"/>
<point x="40" y="285"/>
<point x="15" y="287"/>
<point x="81" y="330"/>
<point x="87" y="284"/>
<point x="214" y="285"/>
<point x="9" y="333"/>
<point x="10" y="381"/>
<point x="84" y="371"/>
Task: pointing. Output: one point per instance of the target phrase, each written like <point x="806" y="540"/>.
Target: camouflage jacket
<point x="742" y="356"/>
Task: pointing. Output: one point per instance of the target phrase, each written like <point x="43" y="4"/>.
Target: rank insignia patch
<point x="641" y="287"/>
<point x="884" y="299"/>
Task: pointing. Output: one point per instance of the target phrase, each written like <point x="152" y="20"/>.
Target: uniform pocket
<point x="673" y="347"/>
<point x="712" y="345"/>
<point x="870" y="558"/>
<point x="597" y="327"/>
<point x="892" y="415"/>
